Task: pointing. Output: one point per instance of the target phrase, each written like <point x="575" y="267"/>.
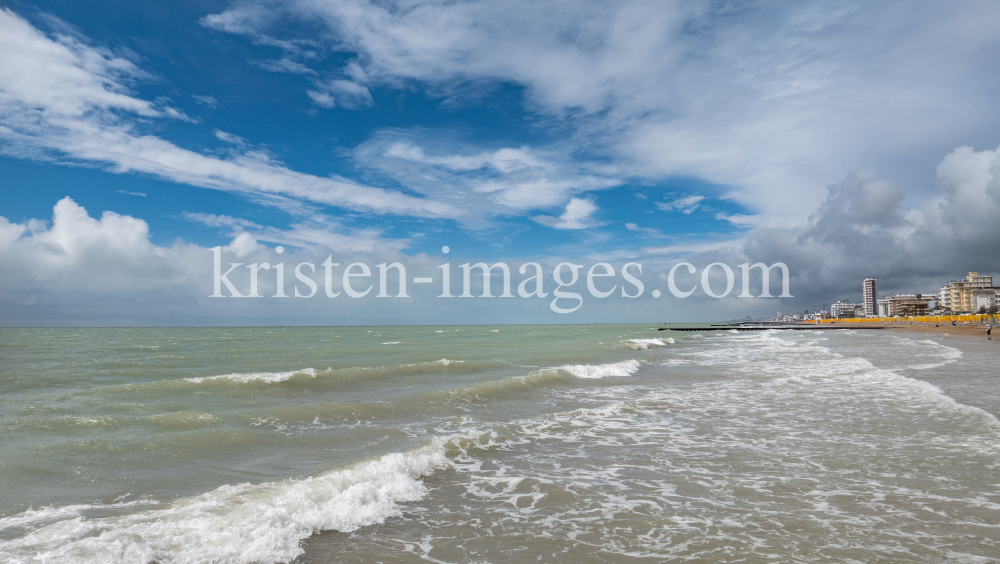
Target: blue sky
<point x="843" y="139"/>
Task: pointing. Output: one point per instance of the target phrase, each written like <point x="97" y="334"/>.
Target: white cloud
<point x="686" y="205"/>
<point x="740" y="220"/>
<point x="229" y="137"/>
<point x="577" y="216"/>
<point x="81" y="270"/>
<point x="695" y="248"/>
<point x="209" y="101"/>
<point x="78" y="255"/>
<point x="80" y="109"/>
<point x="862" y="230"/>
<point x="285" y="65"/>
<point x="504" y="181"/>
<point x="216" y="220"/>
<point x="81" y="80"/>
<point x="244" y="244"/>
<point x="647" y="231"/>
<point x="344" y="93"/>
<point x="317" y="231"/>
<point x="770" y="99"/>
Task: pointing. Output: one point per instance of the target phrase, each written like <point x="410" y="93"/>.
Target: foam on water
<point x="246" y="523"/>
<point x="733" y="447"/>
<point x="644" y="344"/>
<point x="792" y="453"/>
<point x="543" y="378"/>
<point x="265" y="377"/>
<point x="624" y="368"/>
<point x="34" y="518"/>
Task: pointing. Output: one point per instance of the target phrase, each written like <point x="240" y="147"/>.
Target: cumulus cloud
<point x="79" y="267"/>
<point x="81" y="270"/>
<point x="862" y="229"/>
<point x="577" y="216"/>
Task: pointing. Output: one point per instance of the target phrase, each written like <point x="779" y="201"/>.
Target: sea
<point x="489" y="444"/>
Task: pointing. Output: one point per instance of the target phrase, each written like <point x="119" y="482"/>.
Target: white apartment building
<point x="844" y="309"/>
<point x="985" y="297"/>
<point x="885" y="307"/>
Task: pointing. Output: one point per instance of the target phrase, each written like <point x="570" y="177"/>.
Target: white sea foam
<point x="266" y="377"/>
<point x="36" y="517"/>
<point x="246" y="523"/>
<point x="644" y="344"/>
<point x="392" y="343"/>
<point x="624" y="368"/>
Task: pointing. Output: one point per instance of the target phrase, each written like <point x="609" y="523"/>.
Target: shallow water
<point x="588" y="443"/>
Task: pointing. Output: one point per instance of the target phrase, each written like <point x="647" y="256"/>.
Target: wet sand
<point x="952" y="330"/>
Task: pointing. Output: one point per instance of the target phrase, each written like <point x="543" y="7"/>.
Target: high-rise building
<point x="871" y="298"/>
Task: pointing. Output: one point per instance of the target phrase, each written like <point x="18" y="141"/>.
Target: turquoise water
<point x="588" y="443"/>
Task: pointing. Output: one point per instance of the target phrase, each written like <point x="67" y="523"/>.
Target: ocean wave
<point x="624" y="368"/>
<point x="494" y="388"/>
<point x="325" y="411"/>
<point x="184" y="420"/>
<point x="33" y="518"/>
<point x="644" y="344"/>
<point x="241" y="524"/>
<point x="265" y="377"/>
<point x="537" y="379"/>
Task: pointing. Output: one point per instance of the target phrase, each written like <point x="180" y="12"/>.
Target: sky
<point x="842" y="139"/>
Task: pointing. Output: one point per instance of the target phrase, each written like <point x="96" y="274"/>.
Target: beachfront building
<point x="957" y="295"/>
<point x="842" y="309"/>
<point x="885" y="307"/>
<point x="870" y="297"/>
<point x="910" y="304"/>
<point x="985" y="298"/>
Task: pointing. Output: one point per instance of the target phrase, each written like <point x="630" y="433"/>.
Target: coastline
<point x="950" y="330"/>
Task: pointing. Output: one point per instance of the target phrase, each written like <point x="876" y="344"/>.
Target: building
<point x="985" y="298"/>
<point x="910" y="304"/>
<point x="957" y="295"/>
<point x="870" y="297"/>
<point x="842" y="309"/>
<point x="885" y="307"/>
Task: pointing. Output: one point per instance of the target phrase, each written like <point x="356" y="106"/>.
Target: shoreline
<point x="951" y="330"/>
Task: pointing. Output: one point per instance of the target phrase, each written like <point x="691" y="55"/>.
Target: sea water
<point x="596" y="443"/>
